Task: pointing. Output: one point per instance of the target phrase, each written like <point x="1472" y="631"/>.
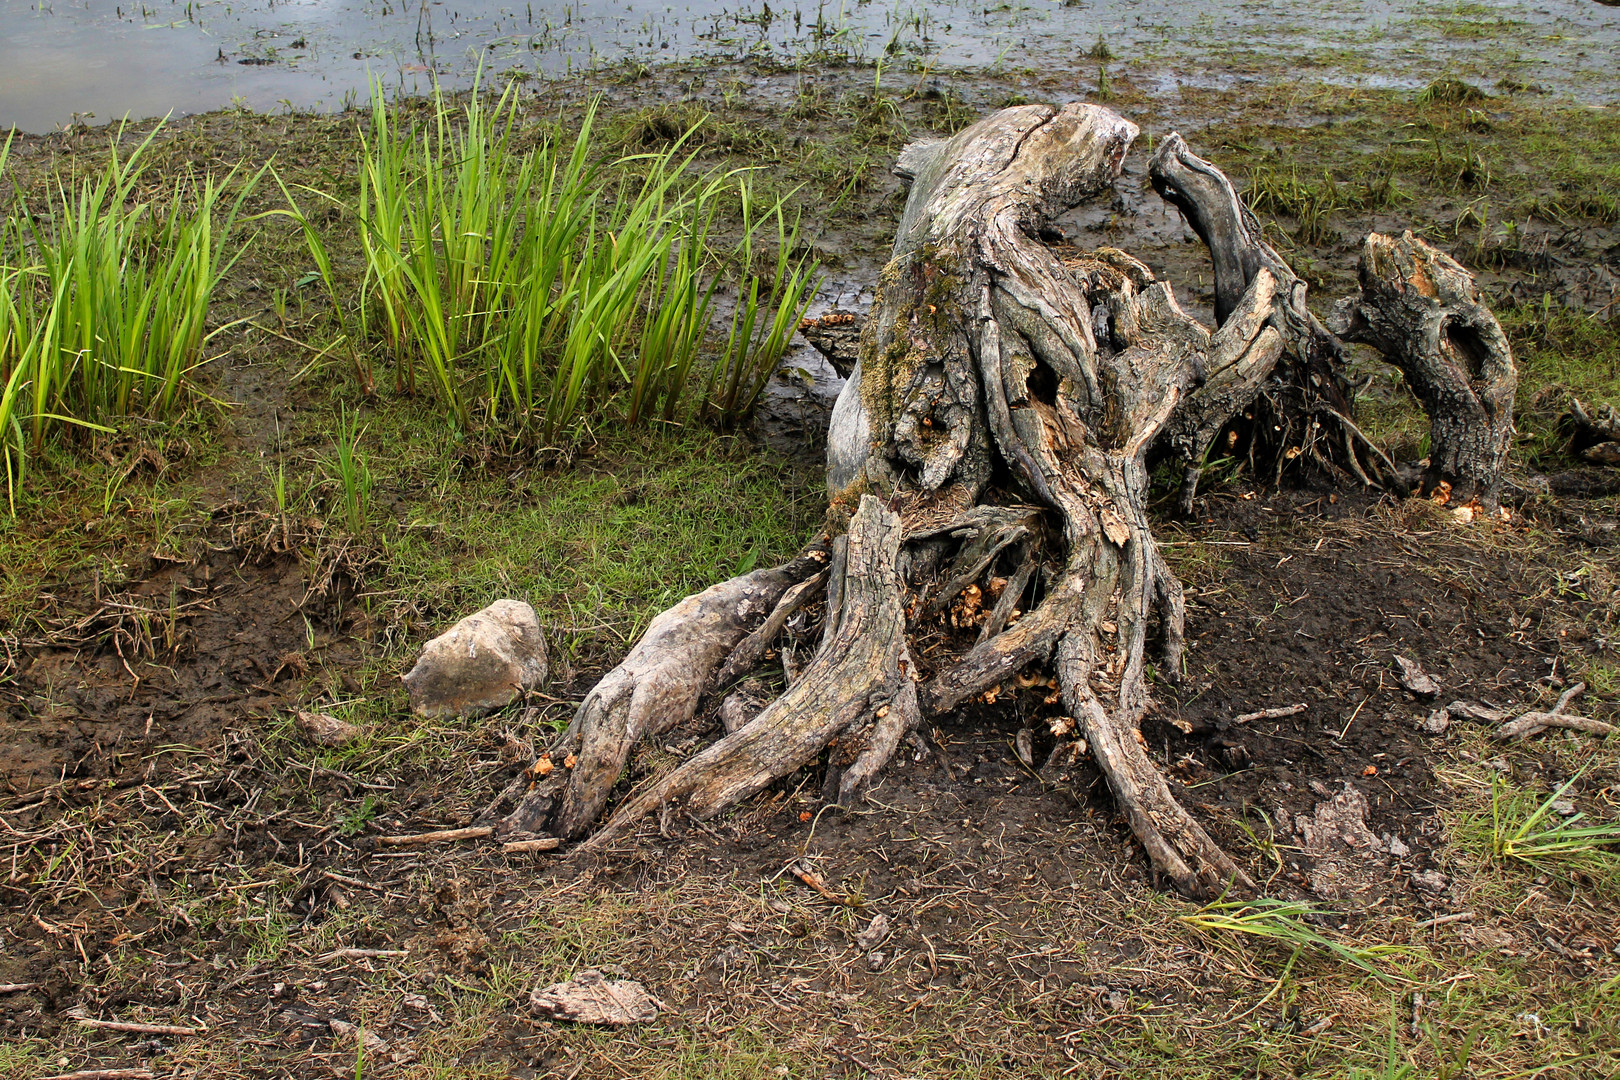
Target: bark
<point x="1423" y="311"/>
<point x="993" y="434"/>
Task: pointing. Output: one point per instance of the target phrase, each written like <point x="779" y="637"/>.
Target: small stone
<point x="482" y="663"/>
<point x="1396" y="847"/>
<point x="1429" y="881"/>
<point x="875" y="959"/>
<point x="324" y="729"/>
<point x="1437" y="723"/>
<point x="1563" y="807"/>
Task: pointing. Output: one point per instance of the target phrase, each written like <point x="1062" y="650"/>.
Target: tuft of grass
<point x="538" y="293"/>
<point x="104" y="301"/>
<point x="1523" y="827"/>
<point x="1450" y="90"/>
<point x="1284" y="922"/>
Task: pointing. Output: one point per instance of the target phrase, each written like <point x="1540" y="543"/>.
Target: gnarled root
<point x="660" y="684"/>
<point x="858" y="687"/>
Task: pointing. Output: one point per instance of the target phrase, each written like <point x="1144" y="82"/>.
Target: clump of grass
<point x="1309" y="203"/>
<point x="1523" y="827"/>
<point x="764" y="320"/>
<point x="1450" y="90"/>
<point x="1283" y="922"/>
<point x="536" y="292"/>
<point x="350" y="471"/>
<point x="104" y="301"/>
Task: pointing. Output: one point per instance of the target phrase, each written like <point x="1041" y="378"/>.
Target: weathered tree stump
<point x="1423" y="311"/>
<point x="991" y="443"/>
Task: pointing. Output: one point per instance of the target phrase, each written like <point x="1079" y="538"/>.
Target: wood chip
<point x="539" y="843"/>
<point x="1415" y="679"/>
<point x="1270" y="714"/>
<point x="592" y="999"/>
<point x="444" y="836"/>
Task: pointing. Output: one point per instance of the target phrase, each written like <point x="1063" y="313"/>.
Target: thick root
<point x="661" y="682"/>
<point x="859" y="676"/>
<point x="1177" y="845"/>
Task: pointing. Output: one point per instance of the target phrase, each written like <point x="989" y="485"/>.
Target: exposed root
<point x="661" y="682"/>
<point x="1177" y="845"/>
<point x="859" y="675"/>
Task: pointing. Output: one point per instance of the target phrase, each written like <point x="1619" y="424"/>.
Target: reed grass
<point x="104" y="301"/>
<point x="534" y="291"/>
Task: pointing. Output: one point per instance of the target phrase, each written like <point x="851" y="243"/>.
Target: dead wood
<point x="1423" y="311"/>
<point x="1535" y="722"/>
<point x="589" y="998"/>
<point x="992" y="439"/>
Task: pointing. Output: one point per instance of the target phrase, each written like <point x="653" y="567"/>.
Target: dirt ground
<point x="173" y="852"/>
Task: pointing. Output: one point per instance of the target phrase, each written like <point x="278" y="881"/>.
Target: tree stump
<point x="1423" y="311"/>
<point x="991" y="443"/>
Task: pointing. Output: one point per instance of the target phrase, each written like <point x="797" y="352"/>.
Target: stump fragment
<point x="1423" y="310"/>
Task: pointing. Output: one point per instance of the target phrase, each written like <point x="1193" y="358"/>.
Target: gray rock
<point x="482" y="663"/>
<point x="1437" y="723"/>
<point x="1429" y="881"/>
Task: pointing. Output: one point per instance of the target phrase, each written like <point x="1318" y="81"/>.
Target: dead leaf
<point x="1414" y="678"/>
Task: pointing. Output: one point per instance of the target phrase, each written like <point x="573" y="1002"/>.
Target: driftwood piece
<point x="591" y="998"/>
<point x="1423" y="311"/>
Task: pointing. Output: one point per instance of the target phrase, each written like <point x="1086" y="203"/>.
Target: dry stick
<point x="539" y="843"/>
<point x="360" y="954"/>
<point x="1533" y="723"/>
<point x="1270" y="714"/>
<point x="1441" y="920"/>
<point x="104" y="1074"/>
<point x="477" y="832"/>
<point x="139" y="1029"/>
<point x="16" y="988"/>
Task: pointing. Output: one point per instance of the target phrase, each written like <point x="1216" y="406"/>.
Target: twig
<point x="539" y="843"/>
<point x="444" y="836"/>
<point x="103" y="1074"/>
<point x="1534" y="723"/>
<point x="1270" y="714"/>
<point x="1441" y="920"/>
<point x="16" y="988"/>
<point x="139" y="1029"/>
<point x="359" y="954"/>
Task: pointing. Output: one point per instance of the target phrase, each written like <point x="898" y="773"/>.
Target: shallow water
<point x="104" y="59"/>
